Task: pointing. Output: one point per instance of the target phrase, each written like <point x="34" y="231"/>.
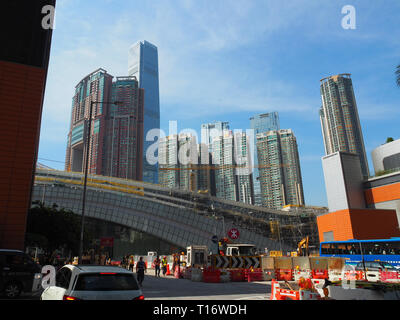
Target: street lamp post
<point x="92" y="103"/>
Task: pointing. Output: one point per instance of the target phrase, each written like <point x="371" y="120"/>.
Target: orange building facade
<point x="362" y="224"/>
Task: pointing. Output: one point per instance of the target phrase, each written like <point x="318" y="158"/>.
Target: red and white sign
<point x="107" y="242"/>
<point x="233" y="233"/>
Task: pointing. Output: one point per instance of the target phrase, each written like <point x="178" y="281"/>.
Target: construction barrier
<point x="187" y="273"/>
<point x="284" y="274"/>
<point x="284" y="268"/>
<point x="390" y="276"/>
<point x="254" y="275"/>
<point x="178" y="272"/>
<point x="305" y="292"/>
<point x="298" y="274"/>
<point x="282" y="294"/>
<point x="211" y="275"/>
<point x="301" y="268"/>
<point x="237" y="275"/>
<point x="319" y="267"/>
<point x="197" y="275"/>
<point x="224" y="276"/>
<point x="335" y="268"/>
<point x="319" y="274"/>
<point x="269" y="275"/>
<point x="354" y="275"/>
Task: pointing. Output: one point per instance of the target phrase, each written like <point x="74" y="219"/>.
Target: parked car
<point x="78" y="282"/>
<point x="18" y="273"/>
<point x="374" y="268"/>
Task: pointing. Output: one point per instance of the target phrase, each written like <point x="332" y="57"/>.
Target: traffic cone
<point x="168" y="271"/>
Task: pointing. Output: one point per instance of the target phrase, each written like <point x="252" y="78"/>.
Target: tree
<point x="52" y="228"/>
<point x="398" y="75"/>
<point x="390" y="139"/>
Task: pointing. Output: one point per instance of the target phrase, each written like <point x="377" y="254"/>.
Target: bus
<point x="355" y="251"/>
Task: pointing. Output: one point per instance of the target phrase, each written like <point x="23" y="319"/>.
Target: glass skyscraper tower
<point x="143" y="64"/>
<point x="261" y="123"/>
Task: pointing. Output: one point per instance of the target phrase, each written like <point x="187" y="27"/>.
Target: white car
<point x="93" y="283"/>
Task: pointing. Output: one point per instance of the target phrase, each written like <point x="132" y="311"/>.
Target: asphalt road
<point x="169" y="288"/>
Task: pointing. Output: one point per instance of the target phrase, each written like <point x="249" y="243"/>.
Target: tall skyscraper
<point x="143" y="64"/>
<point x="24" y="58"/>
<point x="124" y="130"/>
<point x="341" y="128"/>
<point x="261" y="123"/>
<point x="280" y="173"/>
<point x="116" y="145"/>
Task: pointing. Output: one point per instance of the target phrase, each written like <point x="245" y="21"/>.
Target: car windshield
<point x="106" y="282"/>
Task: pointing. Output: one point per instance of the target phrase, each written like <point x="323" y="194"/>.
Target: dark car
<point x="18" y="273"/>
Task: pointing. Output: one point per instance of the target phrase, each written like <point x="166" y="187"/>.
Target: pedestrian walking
<point x="164" y="263"/>
<point x="131" y="263"/>
<point x="140" y="270"/>
<point x="157" y="263"/>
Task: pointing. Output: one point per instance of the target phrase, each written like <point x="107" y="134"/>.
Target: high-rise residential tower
<point x="211" y="130"/>
<point x="184" y="164"/>
<point x="279" y="166"/>
<point x="243" y="170"/>
<point x="116" y="144"/>
<point x="143" y="64"/>
<point x="341" y="128"/>
<point x="232" y="160"/>
<point x="261" y="123"/>
<point x="223" y="159"/>
<point x="168" y="162"/>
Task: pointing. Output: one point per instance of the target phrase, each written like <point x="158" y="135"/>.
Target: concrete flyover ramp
<point x="136" y="205"/>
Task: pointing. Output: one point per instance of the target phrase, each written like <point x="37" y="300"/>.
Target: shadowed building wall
<point x="24" y="57"/>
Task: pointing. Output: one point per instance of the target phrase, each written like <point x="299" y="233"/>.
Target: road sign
<point x="234" y="234"/>
<point x="221" y="262"/>
<point x="214" y="239"/>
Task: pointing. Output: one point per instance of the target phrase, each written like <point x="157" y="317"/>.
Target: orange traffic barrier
<point x="238" y="275"/>
<point x="254" y="275"/>
<point x="211" y="275"/>
<point x="282" y="294"/>
<point x="319" y="274"/>
<point x="284" y="274"/>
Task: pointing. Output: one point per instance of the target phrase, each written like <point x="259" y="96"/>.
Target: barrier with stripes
<point x="235" y="262"/>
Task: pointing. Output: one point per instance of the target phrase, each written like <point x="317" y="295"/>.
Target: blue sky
<point x="230" y="59"/>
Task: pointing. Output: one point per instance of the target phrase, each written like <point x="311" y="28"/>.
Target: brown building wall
<point x="21" y="95"/>
<point x="362" y="224"/>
